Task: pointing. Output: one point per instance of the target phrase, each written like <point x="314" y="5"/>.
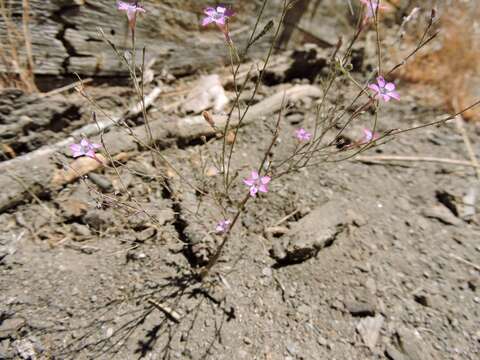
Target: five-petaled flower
<point x="218" y="15"/>
<point x="368" y="136"/>
<point x="85" y="148"/>
<point x="372" y="6"/>
<point x="257" y="183"/>
<point x="303" y="135"/>
<point x="384" y="90"/>
<point x="223" y="226"/>
<point x="131" y="10"/>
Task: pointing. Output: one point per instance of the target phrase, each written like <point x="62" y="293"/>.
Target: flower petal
<point x="122" y="6"/>
<point x="207" y="21"/>
<point x="263" y="188"/>
<point x="221" y="21"/>
<point x="381" y="81"/>
<point x="229" y="13"/>
<point x="221" y="9"/>
<point x="210" y="11"/>
<point x="394" y="95"/>
<point x="85" y="143"/>
<point x="367" y="135"/>
<point x="249" y="182"/>
<point x="265" y="180"/>
<point x="390" y="86"/>
<point x="254" y="175"/>
<point x="253" y="191"/>
<point x="386" y="97"/>
<point x="90" y="153"/>
<point x="374" y="87"/>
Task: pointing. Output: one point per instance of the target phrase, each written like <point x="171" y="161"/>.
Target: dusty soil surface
<point x="347" y="260"/>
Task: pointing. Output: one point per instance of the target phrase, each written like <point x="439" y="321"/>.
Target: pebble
<point x="81" y="230"/>
<point x="97" y="219"/>
<point x="101" y="181"/>
<point x="267" y="272"/>
<point x="145" y="234"/>
<point x="442" y="214"/>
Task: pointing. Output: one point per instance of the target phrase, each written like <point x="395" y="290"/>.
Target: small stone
<point x="98" y="219"/>
<point x="412" y="345"/>
<point x="145" y="234"/>
<point x="369" y="330"/>
<point x="392" y="353"/>
<point x="317" y="230"/>
<point x="101" y="181"/>
<point x="25" y="349"/>
<point x="360" y="308"/>
<point x="81" y="230"/>
<point x="442" y="214"/>
<point x="267" y="272"/>
<point x="292" y="348"/>
<point x="322" y="341"/>
<point x="10" y="326"/>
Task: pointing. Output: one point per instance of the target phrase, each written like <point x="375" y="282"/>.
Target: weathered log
<point x="38" y="171"/>
<point x="65" y="35"/>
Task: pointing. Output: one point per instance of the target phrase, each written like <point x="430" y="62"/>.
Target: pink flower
<point x="384" y="90"/>
<point x="223" y="226"/>
<point x="303" y="135"/>
<point x="218" y="15"/>
<point x="85" y="148"/>
<point x="372" y="6"/>
<point x="369" y="136"/>
<point x="131" y="10"/>
<point x="257" y="183"/>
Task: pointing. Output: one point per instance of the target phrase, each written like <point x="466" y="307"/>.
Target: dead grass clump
<point x="453" y="66"/>
<point x="16" y="55"/>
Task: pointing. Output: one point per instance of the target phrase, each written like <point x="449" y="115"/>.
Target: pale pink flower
<point x="218" y="15"/>
<point x="257" y="183"/>
<point x="372" y="6"/>
<point x="131" y="10"/>
<point x="223" y="226"/>
<point x="303" y="135"/>
<point x="85" y="148"/>
<point x="384" y="90"/>
<point x="368" y="136"/>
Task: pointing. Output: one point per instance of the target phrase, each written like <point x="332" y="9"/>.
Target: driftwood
<point x="65" y="36"/>
<point x="38" y="172"/>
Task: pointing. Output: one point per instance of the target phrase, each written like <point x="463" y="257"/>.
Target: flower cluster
<point x="257" y="183"/>
<point x="303" y="135"/>
<point x="384" y="90"/>
<point x="84" y="148"/>
<point x="372" y="7"/>
<point x="368" y="136"/>
<point x="223" y="226"/>
<point x="131" y="10"/>
<point x="220" y="16"/>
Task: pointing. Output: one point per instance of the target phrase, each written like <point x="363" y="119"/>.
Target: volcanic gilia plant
<point x="318" y="145"/>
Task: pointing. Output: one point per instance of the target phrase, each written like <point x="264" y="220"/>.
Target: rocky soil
<point x="367" y="258"/>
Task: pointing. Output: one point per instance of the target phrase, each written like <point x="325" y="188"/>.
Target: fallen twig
<point x="387" y="158"/>
<point x="167" y="310"/>
<point x="66" y="88"/>
<point x="466" y="262"/>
